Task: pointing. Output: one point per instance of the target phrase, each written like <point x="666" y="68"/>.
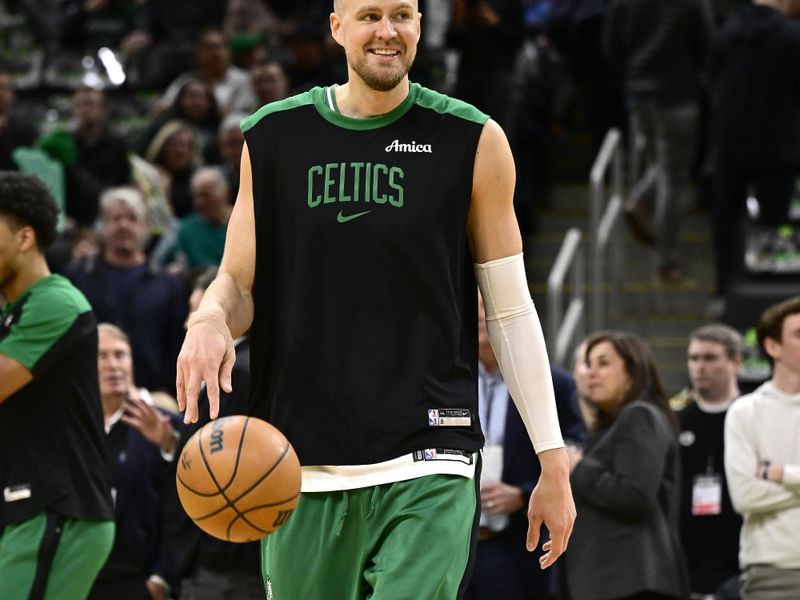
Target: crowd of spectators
<point x="129" y="110"/>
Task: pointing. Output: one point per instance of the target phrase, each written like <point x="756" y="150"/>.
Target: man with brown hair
<point x="709" y="524"/>
<point x="762" y="462"/>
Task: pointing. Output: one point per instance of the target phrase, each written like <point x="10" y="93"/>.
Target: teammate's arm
<point x="13" y="376"/>
<point x="516" y="335"/>
<point x="225" y="312"/>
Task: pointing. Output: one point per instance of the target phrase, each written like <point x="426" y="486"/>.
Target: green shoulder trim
<point x="45" y="312"/>
<point x="297" y="101"/>
<point x="442" y="104"/>
<point x="325" y="103"/>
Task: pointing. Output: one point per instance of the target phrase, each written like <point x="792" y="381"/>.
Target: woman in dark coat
<point x="626" y="486"/>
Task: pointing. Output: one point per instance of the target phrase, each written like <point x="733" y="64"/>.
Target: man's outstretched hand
<point x="551" y="504"/>
<point x="207" y="356"/>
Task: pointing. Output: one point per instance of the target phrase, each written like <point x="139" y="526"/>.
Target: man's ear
<point x="27" y="238"/>
<point x="772" y="347"/>
<point x="336" y="28"/>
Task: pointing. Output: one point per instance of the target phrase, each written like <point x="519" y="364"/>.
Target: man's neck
<point x="123" y="260"/>
<point x="35" y="270"/>
<point x="722" y="399"/>
<point x="785" y="380"/>
<point x="111" y="404"/>
<point x="356" y="99"/>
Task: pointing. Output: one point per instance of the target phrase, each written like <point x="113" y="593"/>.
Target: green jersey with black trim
<point x="364" y="342"/>
<point x="52" y="449"/>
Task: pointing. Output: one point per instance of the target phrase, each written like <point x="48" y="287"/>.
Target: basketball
<point x="238" y="478"/>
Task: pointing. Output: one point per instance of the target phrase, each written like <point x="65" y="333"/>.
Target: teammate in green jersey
<point x="56" y="516"/>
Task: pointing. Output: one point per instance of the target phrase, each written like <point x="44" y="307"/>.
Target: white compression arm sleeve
<point x="518" y="342"/>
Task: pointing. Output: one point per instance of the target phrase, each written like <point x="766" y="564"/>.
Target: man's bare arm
<point x="516" y="335"/>
<point x="13" y="377"/>
<point x="225" y="311"/>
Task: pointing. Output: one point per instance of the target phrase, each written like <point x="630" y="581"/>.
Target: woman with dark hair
<point x="195" y="105"/>
<point x="626" y="485"/>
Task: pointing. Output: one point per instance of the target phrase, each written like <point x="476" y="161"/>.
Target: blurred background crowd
<point x="129" y="110"/>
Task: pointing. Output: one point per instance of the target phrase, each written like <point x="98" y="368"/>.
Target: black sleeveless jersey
<point x="364" y="343"/>
<point x="52" y="443"/>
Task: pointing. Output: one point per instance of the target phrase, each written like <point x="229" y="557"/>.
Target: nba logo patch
<point x="433" y="417"/>
<point x="430" y="454"/>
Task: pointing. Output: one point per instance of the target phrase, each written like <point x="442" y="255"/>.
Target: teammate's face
<point x="379" y="38"/>
<point x="711" y="372"/>
<point x="608" y="379"/>
<point x="114" y="365"/>
<point x="9" y="250"/>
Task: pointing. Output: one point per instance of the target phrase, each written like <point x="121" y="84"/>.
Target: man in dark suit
<point x="503" y="567"/>
<point x="141" y="441"/>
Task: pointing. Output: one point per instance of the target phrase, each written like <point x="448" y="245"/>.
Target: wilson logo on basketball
<point x="243" y="489"/>
<point x="186" y="462"/>
<point x="282" y="517"/>
<point x="217" y="431"/>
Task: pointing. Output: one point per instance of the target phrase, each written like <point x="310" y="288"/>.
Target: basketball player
<point x="365" y="214"/>
<point x="56" y="518"/>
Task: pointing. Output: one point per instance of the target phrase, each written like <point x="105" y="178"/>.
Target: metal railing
<point x="604" y="212"/>
<point x="562" y="328"/>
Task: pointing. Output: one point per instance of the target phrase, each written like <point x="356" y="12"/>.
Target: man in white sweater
<point x="762" y="463"/>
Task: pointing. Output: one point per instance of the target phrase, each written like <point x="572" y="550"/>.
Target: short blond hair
<point x="114" y="331"/>
<point x="130" y="196"/>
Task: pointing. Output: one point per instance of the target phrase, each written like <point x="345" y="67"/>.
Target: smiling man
<point x="366" y="213"/>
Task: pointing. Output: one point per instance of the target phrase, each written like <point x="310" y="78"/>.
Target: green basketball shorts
<point x="49" y="557"/>
<point x="408" y="540"/>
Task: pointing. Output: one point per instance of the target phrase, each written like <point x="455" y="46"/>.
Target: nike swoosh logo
<point x="345" y="218"/>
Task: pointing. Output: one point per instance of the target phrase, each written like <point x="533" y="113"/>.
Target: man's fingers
<point x="207" y="356"/>
<point x="534" y="529"/>
<point x="211" y="377"/>
<point x="179" y="386"/>
<point x="192" y="392"/>
<point x="227" y="369"/>
<point x="557" y="545"/>
<point x="133" y="410"/>
<point x="133" y="422"/>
